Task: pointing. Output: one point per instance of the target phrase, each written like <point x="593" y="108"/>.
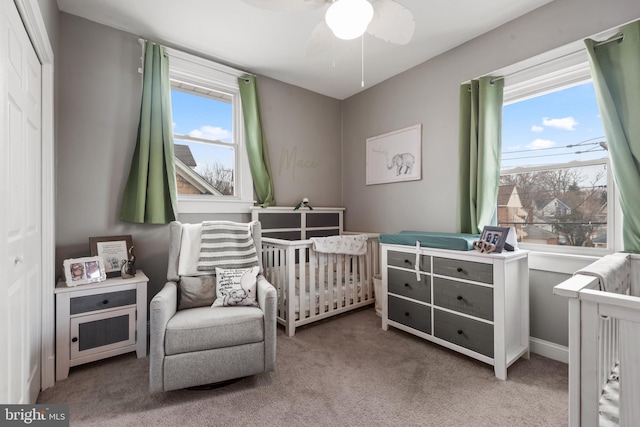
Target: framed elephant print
<point x="395" y="156"/>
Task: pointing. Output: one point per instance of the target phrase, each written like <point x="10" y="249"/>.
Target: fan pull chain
<point x="362" y="61"/>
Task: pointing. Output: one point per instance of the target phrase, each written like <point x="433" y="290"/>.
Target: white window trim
<point x="561" y="68"/>
<point x="194" y="70"/>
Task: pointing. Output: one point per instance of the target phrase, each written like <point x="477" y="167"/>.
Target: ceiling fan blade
<point x="287" y="5"/>
<point x="392" y="22"/>
<point x="321" y="39"/>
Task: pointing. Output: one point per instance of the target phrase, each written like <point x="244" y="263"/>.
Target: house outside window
<point x="212" y="167"/>
<point x="555" y="184"/>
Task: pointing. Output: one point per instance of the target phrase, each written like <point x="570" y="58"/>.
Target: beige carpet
<point x="344" y="371"/>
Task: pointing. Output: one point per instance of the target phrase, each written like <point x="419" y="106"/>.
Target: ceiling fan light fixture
<point x="348" y="19"/>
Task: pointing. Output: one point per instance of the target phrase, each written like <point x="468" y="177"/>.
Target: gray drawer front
<point x="404" y="283"/>
<point x="474" y="300"/>
<point x="408" y="260"/>
<point x="465" y="332"/>
<point x="411" y="314"/>
<point x="469" y="270"/>
<point x="323" y="219"/>
<point x="102" y="301"/>
<point x="279" y="220"/>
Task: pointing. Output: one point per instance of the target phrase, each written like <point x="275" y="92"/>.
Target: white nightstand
<point x="100" y="320"/>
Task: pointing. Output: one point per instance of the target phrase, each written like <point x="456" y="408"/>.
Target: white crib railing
<point x="604" y="331"/>
<point x="312" y="286"/>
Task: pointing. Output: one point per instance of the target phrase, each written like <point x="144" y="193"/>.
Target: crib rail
<point x="604" y="331"/>
<point x="312" y="286"/>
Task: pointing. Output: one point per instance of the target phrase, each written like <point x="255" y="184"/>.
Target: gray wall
<point x="98" y="113"/>
<point x="317" y="144"/>
<point x="428" y="94"/>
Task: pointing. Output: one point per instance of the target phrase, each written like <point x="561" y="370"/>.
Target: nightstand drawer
<point x="408" y="260"/>
<point x="472" y="334"/>
<point x="469" y="270"/>
<point x="474" y="300"/>
<point x="405" y="283"/>
<point x="103" y="301"/>
<point x="411" y="314"/>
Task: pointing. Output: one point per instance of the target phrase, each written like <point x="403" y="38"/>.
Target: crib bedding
<point x="454" y="241"/>
<point x="610" y="400"/>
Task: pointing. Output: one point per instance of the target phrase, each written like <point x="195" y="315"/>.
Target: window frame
<point x="556" y="70"/>
<point x="193" y="70"/>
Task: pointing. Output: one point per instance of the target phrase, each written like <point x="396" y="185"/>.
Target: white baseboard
<point x="548" y="349"/>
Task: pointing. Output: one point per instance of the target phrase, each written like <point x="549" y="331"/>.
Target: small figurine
<point x="304" y="203"/>
<point x="128" y="269"/>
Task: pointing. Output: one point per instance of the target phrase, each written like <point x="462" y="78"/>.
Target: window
<point x="203" y="140"/>
<point x="555" y="183"/>
<point x="212" y="168"/>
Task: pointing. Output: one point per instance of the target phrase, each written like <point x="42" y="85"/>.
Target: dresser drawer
<point x="411" y="314"/>
<point x="405" y="283"/>
<point x="472" y="334"/>
<point x="469" y="270"/>
<point x="408" y="260"/>
<point x="474" y="300"/>
<point x="102" y="301"/>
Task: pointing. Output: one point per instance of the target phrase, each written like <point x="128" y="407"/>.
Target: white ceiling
<point x="272" y="43"/>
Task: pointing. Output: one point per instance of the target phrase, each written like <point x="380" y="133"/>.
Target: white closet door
<point x="20" y="211"/>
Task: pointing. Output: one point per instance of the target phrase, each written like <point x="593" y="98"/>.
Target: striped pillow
<point x="226" y="244"/>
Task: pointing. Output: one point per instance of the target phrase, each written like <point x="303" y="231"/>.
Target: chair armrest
<point x="268" y="300"/>
<point x="162" y="308"/>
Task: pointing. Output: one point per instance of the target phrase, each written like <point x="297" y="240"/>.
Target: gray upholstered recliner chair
<point x="204" y="345"/>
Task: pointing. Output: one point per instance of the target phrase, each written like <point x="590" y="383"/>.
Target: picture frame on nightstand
<point x="81" y="271"/>
<point x="113" y="250"/>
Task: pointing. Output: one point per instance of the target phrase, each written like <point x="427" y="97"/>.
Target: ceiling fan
<point x="349" y="19"/>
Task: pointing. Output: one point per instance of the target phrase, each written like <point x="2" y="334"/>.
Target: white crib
<point x="604" y="351"/>
<point x="313" y="286"/>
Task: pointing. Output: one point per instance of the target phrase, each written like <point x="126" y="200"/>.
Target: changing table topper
<point x="454" y="241"/>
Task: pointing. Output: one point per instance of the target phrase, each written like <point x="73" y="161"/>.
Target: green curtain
<point x="150" y="193"/>
<point x="255" y="142"/>
<point x="615" y="67"/>
<point x="480" y="144"/>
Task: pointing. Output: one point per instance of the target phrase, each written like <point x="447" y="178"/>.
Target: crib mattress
<point x="454" y="241"/>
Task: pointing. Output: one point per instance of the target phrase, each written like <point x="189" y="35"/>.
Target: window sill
<point x="205" y="206"/>
<point x="566" y="261"/>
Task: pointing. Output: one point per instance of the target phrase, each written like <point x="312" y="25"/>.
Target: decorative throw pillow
<point x="236" y="286"/>
<point x="196" y="291"/>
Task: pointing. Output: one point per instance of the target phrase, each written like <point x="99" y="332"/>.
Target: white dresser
<point x="473" y="303"/>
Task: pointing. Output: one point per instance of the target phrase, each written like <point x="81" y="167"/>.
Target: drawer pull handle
<point x="406" y="261"/>
<point x="460" y="298"/>
<point x="460" y="332"/>
<point x="406" y="285"/>
<point x="105" y="302"/>
<point x="459" y="269"/>
<point x="406" y="313"/>
<point x="74" y="339"/>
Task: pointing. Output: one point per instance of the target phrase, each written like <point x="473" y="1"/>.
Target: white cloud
<point x="211" y="132"/>
<point x="537" y="144"/>
<point x="567" y="123"/>
<point x="536" y="128"/>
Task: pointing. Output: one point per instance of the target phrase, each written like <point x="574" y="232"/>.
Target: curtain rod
<point x="614" y="39"/>
<point x="600" y="43"/>
<point x="142" y="42"/>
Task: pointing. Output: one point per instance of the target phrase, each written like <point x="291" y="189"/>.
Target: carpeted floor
<point x="344" y="371"/>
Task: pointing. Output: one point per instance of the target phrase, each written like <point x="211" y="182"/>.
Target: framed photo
<point x="395" y="156"/>
<point x="80" y="271"/>
<point x="495" y="235"/>
<point x="112" y="250"/>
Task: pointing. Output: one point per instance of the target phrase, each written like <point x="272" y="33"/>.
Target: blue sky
<point x="536" y="128"/>
<point x="206" y="118"/>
